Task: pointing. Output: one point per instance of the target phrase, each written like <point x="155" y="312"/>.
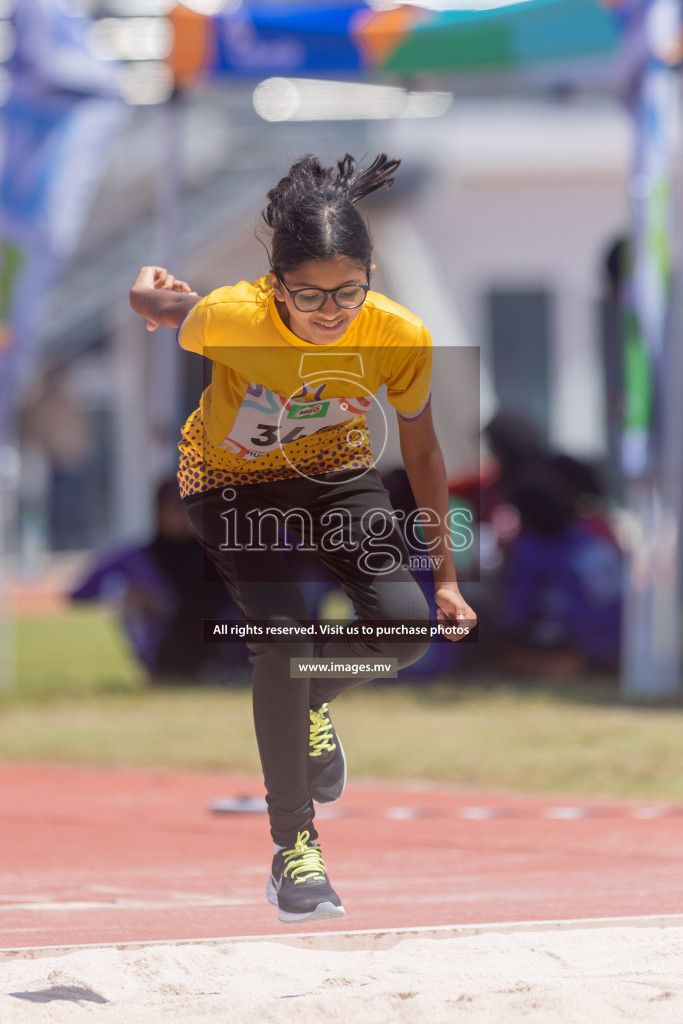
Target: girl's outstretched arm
<point x="427" y="475"/>
<point x="160" y="298"/>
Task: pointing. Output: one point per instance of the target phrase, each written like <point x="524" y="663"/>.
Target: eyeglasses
<point x="308" y="300"/>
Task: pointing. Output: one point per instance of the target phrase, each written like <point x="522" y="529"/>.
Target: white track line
<point x="367" y="939"/>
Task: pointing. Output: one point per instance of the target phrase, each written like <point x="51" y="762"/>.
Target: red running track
<point x="98" y="856"/>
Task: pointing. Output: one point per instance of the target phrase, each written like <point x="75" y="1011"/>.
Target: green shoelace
<point x="304" y="862"/>
<point x="320" y="739"/>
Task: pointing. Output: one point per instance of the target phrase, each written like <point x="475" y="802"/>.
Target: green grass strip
<point x="80" y="699"/>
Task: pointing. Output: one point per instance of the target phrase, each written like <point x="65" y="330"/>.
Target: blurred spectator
<point x="561" y="606"/>
<point x="514" y="444"/>
<point x="586" y="494"/>
<point x="164" y="590"/>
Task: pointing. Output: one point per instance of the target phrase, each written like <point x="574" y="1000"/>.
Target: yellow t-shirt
<point x="278" y="406"/>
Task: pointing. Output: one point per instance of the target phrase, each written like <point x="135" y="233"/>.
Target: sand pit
<point x="597" y="974"/>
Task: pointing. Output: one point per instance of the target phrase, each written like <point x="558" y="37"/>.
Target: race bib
<point x="266" y="421"/>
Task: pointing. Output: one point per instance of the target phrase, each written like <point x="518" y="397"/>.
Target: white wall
<point x="528" y="194"/>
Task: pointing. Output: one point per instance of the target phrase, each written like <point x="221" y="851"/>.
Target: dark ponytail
<point x="312" y="212"/>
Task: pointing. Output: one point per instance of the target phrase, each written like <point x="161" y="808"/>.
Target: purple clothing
<point x="163" y="596"/>
<point x="565" y="591"/>
<point x="114" y="579"/>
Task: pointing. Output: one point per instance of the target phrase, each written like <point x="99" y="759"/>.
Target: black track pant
<point x="339" y="514"/>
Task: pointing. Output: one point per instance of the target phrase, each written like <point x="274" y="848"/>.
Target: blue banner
<point x="287" y="39"/>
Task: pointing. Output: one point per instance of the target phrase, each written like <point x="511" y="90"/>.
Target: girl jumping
<point x="280" y="437"/>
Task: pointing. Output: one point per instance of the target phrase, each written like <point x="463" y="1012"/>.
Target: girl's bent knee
<point x="409" y="653"/>
<point x="402" y="602"/>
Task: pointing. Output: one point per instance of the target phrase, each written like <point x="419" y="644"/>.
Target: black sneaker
<point x="326" y="761"/>
<point x="299" y="886"/>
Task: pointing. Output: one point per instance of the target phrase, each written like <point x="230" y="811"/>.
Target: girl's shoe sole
<point x="322" y="911"/>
